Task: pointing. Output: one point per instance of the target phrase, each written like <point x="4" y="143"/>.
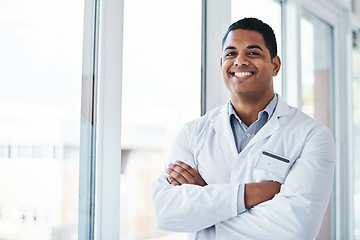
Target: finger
<point x="192" y="171"/>
<point x="191" y="175"/>
<point x="181" y="171"/>
<point x="172" y="181"/>
<point x="177" y="176"/>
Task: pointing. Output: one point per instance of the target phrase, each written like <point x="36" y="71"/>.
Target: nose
<point x="241" y="61"/>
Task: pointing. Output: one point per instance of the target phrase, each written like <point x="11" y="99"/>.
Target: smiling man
<point x="254" y="168"/>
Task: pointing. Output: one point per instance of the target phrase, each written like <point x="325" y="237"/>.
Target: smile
<point x="242" y="74"/>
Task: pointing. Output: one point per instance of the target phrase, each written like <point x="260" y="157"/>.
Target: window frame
<point x="100" y="153"/>
<point x="87" y="127"/>
<point x="354" y="26"/>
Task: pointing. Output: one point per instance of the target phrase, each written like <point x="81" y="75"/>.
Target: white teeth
<point x="242" y="74"/>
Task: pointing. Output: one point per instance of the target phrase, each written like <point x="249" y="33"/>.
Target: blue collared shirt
<point x="242" y="133"/>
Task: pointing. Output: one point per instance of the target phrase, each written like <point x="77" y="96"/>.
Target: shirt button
<point x="248" y="135"/>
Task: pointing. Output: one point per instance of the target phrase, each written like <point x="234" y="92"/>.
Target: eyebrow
<point x="255" y="46"/>
<point x="248" y="47"/>
<point x="229" y="47"/>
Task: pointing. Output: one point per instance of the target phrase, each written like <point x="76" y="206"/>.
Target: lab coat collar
<point x="282" y="109"/>
<point x="221" y="125"/>
<point x="223" y="130"/>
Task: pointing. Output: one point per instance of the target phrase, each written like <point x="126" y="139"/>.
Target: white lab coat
<point x="211" y="211"/>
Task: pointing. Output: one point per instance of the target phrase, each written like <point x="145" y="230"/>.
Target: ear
<point x="276" y="65"/>
<point x="221" y="62"/>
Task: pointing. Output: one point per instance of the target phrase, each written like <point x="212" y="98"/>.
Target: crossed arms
<point x="254" y="193"/>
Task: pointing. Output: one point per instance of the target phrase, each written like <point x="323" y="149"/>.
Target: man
<point x="254" y="168"/>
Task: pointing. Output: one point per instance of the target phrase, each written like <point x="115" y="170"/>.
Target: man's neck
<point x="248" y="108"/>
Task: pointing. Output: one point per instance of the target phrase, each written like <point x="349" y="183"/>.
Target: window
<point x="316" y="68"/>
<point x="356" y="133"/>
<point x="317" y="80"/>
<point x="40" y="72"/>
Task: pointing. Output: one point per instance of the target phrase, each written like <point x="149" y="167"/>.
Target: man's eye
<point x="230" y="54"/>
<point x="254" y="54"/>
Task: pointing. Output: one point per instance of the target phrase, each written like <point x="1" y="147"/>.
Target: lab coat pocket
<point x="271" y="166"/>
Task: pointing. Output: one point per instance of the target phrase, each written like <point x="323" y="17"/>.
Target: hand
<point x="256" y="193"/>
<point x="180" y="173"/>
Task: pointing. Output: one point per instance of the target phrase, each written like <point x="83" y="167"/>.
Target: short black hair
<point x="259" y="26"/>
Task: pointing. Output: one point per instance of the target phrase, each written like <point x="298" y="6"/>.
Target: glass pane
<point x="161" y="91"/>
<point x="355" y="6"/>
<point x="40" y="72"/>
<point x="316" y="67"/>
<point x="317" y="81"/>
<point x="241" y="9"/>
<point x="356" y="131"/>
<point x="87" y="126"/>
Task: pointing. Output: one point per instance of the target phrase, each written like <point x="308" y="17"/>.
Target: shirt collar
<point x="269" y="109"/>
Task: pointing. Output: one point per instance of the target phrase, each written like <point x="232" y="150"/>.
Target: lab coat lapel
<point x="282" y="109"/>
<point x="223" y="132"/>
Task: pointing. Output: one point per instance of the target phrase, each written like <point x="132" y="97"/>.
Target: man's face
<point x="246" y="65"/>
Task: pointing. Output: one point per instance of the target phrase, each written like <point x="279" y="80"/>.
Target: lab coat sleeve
<point x="297" y="211"/>
<point x="190" y="208"/>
